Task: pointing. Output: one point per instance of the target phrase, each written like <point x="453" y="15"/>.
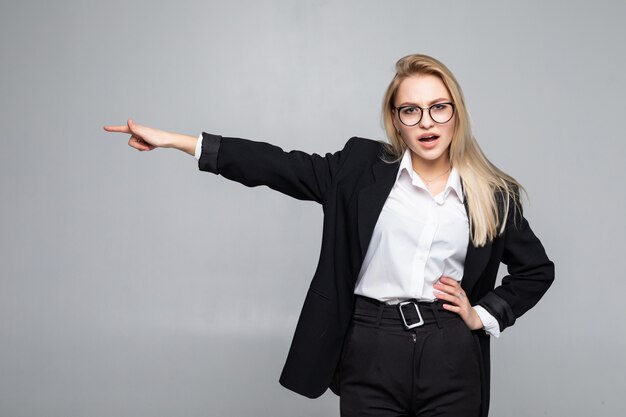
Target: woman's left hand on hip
<point x="450" y="290"/>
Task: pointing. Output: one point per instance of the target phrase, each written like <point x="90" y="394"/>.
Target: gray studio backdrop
<point x="134" y="285"/>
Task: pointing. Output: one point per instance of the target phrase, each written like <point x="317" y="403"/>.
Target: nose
<point x="426" y="122"/>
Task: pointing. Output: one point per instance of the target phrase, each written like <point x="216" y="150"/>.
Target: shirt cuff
<point x="490" y="324"/>
<point x="198" y="147"/>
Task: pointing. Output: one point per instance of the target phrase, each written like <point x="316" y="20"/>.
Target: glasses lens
<point x="441" y="113"/>
<point x="410" y="115"/>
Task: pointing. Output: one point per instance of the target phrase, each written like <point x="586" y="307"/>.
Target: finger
<point x="134" y="127"/>
<point x="452" y="305"/>
<point x="450" y="286"/>
<point x="121" y="129"/>
<point x="447" y="297"/>
<point x="449" y="281"/>
<point x="447" y="288"/>
<point x="133" y="142"/>
<point x="453" y="308"/>
<point x="139" y="144"/>
<point x="145" y="146"/>
<point x="461" y="302"/>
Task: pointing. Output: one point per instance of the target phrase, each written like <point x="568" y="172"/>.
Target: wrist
<point x="475" y="321"/>
<point x="185" y="143"/>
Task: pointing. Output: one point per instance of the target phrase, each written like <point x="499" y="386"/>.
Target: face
<point x="424" y="91"/>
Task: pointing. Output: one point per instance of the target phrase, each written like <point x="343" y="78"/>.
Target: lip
<point x="425" y="135"/>
<point x="428" y="145"/>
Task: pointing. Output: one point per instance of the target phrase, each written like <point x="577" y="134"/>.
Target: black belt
<point x="410" y="314"/>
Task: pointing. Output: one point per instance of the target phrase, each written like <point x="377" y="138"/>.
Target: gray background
<point x="134" y="285"/>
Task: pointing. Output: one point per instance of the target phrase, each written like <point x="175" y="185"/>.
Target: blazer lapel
<point x="372" y="198"/>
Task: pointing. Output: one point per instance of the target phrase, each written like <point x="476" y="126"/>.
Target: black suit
<point x="352" y="186"/>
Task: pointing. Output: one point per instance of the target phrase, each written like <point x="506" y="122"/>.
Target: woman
<point x="399" y="312"/>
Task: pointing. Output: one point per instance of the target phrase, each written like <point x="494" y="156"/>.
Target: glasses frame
<point x="425" y="109"/>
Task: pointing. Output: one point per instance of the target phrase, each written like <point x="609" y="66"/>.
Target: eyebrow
<point x="437" y="100"/>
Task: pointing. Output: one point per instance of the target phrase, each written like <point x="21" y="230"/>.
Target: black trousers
<point x="387" y="370"/>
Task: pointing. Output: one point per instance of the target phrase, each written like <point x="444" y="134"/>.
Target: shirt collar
<point x="454" y="179"/>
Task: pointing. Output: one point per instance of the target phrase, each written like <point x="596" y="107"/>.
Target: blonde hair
<point x="483" y="183"/>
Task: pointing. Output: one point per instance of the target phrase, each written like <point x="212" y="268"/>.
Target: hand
<point x="450" y="290"/>
<point x="143" y="138"/>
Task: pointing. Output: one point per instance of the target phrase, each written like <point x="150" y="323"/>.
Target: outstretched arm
<point x="294" y="173"/>
<point x="298" y="174"/>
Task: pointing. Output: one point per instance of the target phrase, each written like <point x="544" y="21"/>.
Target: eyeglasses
<point x="412" y="115"/>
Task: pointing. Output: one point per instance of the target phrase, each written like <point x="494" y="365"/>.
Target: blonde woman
<point x="401" y="308"/>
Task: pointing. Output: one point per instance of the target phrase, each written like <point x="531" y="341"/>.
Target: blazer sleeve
<point x="297" y="174"/>
<point x="530" y="272"/>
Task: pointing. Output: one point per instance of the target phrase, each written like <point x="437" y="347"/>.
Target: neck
<point x="430" y="169"/>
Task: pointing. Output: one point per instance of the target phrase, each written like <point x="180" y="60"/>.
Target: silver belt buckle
<point x="414" y="325"/>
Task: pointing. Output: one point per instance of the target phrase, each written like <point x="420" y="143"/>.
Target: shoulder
<point x="510" y="206"/>
<point x="366" y="143"/>
<point x="363" y="147"/>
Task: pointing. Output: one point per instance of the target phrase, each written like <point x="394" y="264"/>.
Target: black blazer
<point x="352" y="186"/>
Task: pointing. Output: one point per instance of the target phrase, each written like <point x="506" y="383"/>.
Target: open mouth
<point x="429" y="138"/>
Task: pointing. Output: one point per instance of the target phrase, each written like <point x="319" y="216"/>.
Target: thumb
<point x="134" y="128"/>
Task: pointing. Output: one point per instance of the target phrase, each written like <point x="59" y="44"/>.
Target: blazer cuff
<point x="498" y="308"/>
<point x="210" y="150"/>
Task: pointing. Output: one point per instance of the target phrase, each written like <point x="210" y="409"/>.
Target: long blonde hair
<point x="483" y="183"/>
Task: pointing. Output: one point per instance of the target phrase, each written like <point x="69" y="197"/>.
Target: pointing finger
<point x="121" y="129"/>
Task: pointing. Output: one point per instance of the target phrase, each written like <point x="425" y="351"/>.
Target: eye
<point x="409" y="110"/>
<point x="439" y="106"/>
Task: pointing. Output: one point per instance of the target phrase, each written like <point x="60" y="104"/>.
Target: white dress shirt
<point x="417" y="239"/>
